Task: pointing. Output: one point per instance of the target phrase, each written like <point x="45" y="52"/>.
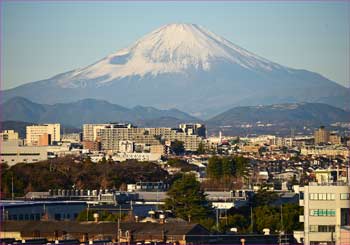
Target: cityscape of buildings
<point x="225" y="122"/>
<point x="311" y="171"/>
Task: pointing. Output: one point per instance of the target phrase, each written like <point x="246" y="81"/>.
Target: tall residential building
<point x="194" y="129"/>
<point x="321" y="136"/>
<point x="43" y="134"/>
<point x="8" y="135"/>
<point x="326" y="213"/>
<point x="90" y="131"/>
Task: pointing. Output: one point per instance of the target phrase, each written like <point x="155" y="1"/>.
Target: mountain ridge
<point x="84" y="111"/>
<point x="187" y="67"/>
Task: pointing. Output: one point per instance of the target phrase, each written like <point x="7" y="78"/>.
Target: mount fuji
<point x="187" y="67"/>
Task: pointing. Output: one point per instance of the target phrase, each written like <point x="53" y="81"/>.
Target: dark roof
<point x="103" y="227"/>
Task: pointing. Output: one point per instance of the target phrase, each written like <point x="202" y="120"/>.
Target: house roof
<point x="103" y="227"/>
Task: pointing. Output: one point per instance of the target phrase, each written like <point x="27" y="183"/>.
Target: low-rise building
<point x="12" y="153"/>
<point x="141" y="157"/>
<point x="325" y="151"/>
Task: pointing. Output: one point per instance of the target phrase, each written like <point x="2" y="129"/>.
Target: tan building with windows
<point x="8" y="135"/>
<point x="321" y="136"/>
<point x="13" y="153"/>
<point x="326" y="213"/>
<point x="36" y="134"/>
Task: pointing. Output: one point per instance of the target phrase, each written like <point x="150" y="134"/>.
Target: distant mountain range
<point x="98" y="111"/>
<point x="277" y="119"/>
<point x="187" y="67"/>
<point x="295" y="113"/>
<point x="89" y="111"/>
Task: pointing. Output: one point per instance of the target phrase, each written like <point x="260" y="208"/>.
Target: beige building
<point x="8" y="135"/>
<point x="12" y="153"/>
<point x="325" y="151"/>
<point x="90" y="131"/>
<point x="326" y="213"/>
<point x="321" y="136"/>
<point x="35" y="134"/>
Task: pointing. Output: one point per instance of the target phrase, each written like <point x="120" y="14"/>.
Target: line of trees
<point x="219" y="167"/>
<point x="68" y="172"/>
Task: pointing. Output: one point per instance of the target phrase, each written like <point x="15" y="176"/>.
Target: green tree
<point x="291" y="212"/>
<point x="266" y="217"/>
<point x="201" y="148"/>
<point x="263" y="197"/>
<point x="241" y="164"/>
<point x="214" y="168"/>
<point x="187" y="200"/>
<point x="177" y="147"/>
<point x="228" y="166"/>
<point x="235" y="221"/>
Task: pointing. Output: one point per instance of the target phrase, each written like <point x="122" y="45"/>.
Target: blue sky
<point x="41" y="39"/>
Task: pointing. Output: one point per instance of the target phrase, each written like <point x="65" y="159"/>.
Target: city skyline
<point x="74" y="35"/>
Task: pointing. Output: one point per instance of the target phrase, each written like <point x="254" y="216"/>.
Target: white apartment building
<point x="326" y="213"/>
<point x="35" y="132"/>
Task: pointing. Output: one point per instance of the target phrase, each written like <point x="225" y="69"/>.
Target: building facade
<point x="326" y="213"/>
<point x="37" y="135"/>
<point x="12" y="153"/>
<point x="8" y="135"/>
<point x="114" y="136"/>
<point x="321" y="136"/>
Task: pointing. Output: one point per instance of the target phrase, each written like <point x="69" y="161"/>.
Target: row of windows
<point x="21" y="154"/>
<point x="38" y="216"/>
<point x="322" y="212"/>
<point x="328" y="196"/>
<point x="322" y="196"/>
<point x="322" y="228"/>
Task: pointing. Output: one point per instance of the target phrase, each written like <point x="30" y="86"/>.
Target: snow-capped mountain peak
<point x="173" y="48"/>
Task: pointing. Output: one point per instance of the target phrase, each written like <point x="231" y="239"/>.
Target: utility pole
<point x="12" y="192"/>
<point x="217" y="219"/>
<point x="251" y="220"/>
<point x="118" y="232"/>
<point x="282" y="228"/>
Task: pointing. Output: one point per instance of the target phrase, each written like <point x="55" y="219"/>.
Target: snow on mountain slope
<point x="173" y="48"/>
<point x="186" y="67"/>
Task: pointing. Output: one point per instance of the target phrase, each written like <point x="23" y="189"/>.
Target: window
<point x="344" y="196"/>
<point x="322" y="196"/>
<point x="322" y="212"/>
<point x="326" y="228"/>
<point x="322" y="228"/>
<point x="313" y="228"/>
